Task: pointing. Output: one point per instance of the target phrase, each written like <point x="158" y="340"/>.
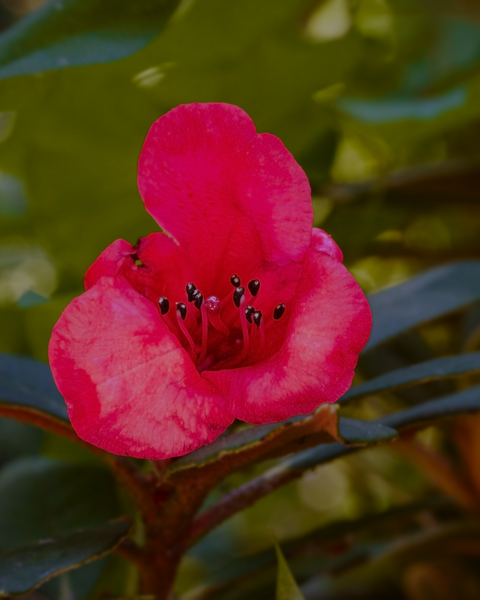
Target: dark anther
<point x="198" y="299"/>
<point x="254" y="286"/>
<point x="249" y="313"/>
<point x="235" y="280"/>
<point x="191" y="289"/>
<point x="279" y="311"/>
<point x="237" y="295"/>
<point x="257" y="317"/>
<point x="182" y="309"/>
<point x="164" y="305"/>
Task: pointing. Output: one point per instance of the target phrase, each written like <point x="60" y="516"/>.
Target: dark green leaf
<point x="359" y="432"/>
<point x="287" y="588"/>
<point x="67" y="33"/>
<point x="350" y="431"/>
<point x="424" y="298"/>
<point x="244" y="440"/>
<point x="25" y="568"/>
<point x="403" y="109"/>
<point x="439" y="368"/>
<point x="18" y="439"/>
<point x="40" y="498"/>
<point x="29" y="384"/>
<point x="455" y="404"/>
<point x="236" y="442"/>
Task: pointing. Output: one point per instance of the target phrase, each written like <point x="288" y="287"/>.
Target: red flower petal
<point x="155" y="267"/>
<point x="329" y="325"/>
<point x="323" y="242"/>
<point x="233" y="199"/>
<point x="130" y="387"/>
<point x="109" y="263"/>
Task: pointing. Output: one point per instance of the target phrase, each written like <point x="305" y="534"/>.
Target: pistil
<point x="213" y="305"/>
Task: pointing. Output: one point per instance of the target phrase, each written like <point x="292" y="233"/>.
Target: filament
<point x="204" y="317"/>
<point x="246" y="337"/>
<point x="262" y="335"/>
<point x="181" y="324"/>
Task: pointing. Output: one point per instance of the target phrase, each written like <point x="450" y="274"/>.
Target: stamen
<point x="246" y="337"/>
<point x="258" y="320"/>
<point x="198" y="299"/>
<point x="203" y="312"/>
<point x="164" y="305"/>
<point x="279" y="311"/>
<point x="213" y="305"/>
<point x="181" y="315"/>
<point x="191" y="289"/>
<point x="249" y="313"/>
<point x="254" y="286"/>
<point x="238" y="295"/>
<point x="235" y="280"/>
<point x="182" y="310"/>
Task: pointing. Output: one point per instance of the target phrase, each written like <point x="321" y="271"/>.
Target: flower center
<point x="220" y="333"/>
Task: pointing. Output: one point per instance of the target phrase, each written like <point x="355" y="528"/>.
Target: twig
<point x="239" y="499"/>
<point x="139" y="486"/>
<point x="132" y="552"/>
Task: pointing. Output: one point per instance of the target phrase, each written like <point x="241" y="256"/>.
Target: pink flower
<point x="150" y="370"/>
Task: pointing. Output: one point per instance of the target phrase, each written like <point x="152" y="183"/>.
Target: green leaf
<point x="279" y="439"/>
<point x="67" y="497"/>
<point x="249" y="439"/>
<point x="421" y="299"/>
<point x="42" y="498"/>
<point x="455" y="404"/>
<point x="25" y="568"/>
<point x="29" y="384"/>
<point x="287" y="589"/>
<point x="67" y="33"/>
<point x="359" y="432"/>
<point x="438" y="368"/>
<point x="429" y="412"/>
<point x="229" y="444"/>
<point x="18" y="439"/>
<point x="404" y="109"/>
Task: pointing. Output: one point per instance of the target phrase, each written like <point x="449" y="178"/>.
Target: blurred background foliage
<point x="379" y="101"/>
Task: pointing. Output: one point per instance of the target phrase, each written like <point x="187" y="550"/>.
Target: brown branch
<point x="239" y="499"/>
<point x="44" y="421"/>
<point x="139" y="486"/>
<point x="467" y="438"/>
<point x="132" y="552"/>
<point x="441" y="472"/>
